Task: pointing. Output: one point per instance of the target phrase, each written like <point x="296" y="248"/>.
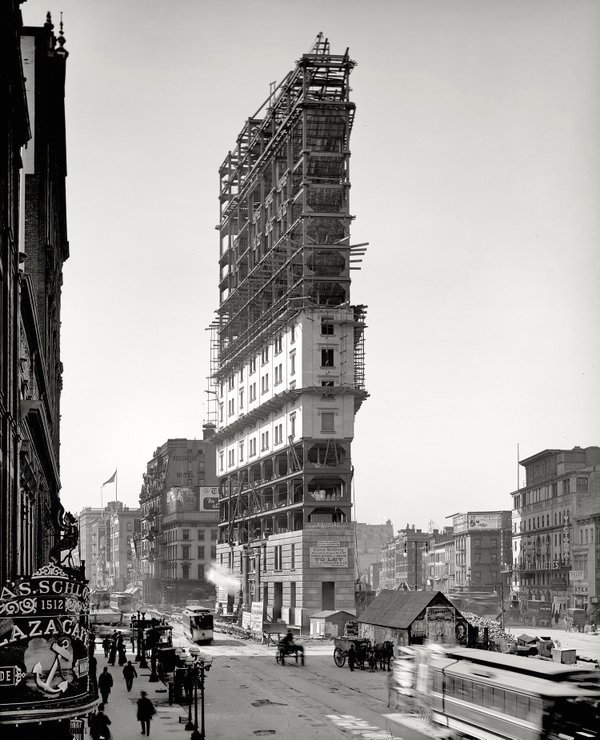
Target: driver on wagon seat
<point x="288" y="640"/>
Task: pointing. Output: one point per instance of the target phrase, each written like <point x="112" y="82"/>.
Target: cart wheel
<point x="339" y="657"/>
<point x="278" y="656"/>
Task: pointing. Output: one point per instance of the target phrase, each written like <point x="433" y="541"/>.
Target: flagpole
<point x="116" y="497"/>
<point x="101" y="491"/>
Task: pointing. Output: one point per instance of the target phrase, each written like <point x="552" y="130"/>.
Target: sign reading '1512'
<point x="44" y="638"/>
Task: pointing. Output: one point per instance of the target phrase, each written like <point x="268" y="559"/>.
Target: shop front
<point x="47" y="669"/>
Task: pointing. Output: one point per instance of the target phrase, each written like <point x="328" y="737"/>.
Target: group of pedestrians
<point x="113" y="646"/>
<point x="99" y="721"/>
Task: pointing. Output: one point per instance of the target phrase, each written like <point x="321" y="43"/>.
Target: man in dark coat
<point x="105" y="683"/>
<point x="99" y="723"/>
<point x="145" y="712"/>
<point x="129" y="674"/>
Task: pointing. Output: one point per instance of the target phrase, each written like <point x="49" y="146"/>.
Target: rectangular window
<point x="582" y="485"/>
<point x="264" y="355"/>
<point x="242" y="451"/>
<point x="278" y="344"/>
<point x="293" y="559"/>
<point x="293" y="425"/>
<point x="278" y="374"/>
<point x="241" y="373"/>
<point x="264" y="441"/>
<point x="252" y="392"/>
<point x="200" y="553"/>
<point x="185" y="552"/>
<point x="264" y="383"/>
<point x="220" y="412"/>
<point x="293" y="362"/>
<point x="327" y="421"/>
<point x="327" y="383"/>
<point x="292" y="333"/>
<point x="185" y="534"/>
<point x="200" y="571"/>
<point x="326" y="358"/>
<point x="231" y="407"/>
<point x="221" y="460"/>
<point x="252" y="366"/>
<point x="277" y="557"/>
<point x="230" y="382"/>
<point x="252" y="447"/>
<point x="185" y="571"/>
<point x="278" y="434"/>
<point x="241" y="398"/>
<point x="327" y="327"/>
<point x="231" y="458"/>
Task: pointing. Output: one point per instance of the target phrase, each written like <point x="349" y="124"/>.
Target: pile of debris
<point x="500" y="639"/>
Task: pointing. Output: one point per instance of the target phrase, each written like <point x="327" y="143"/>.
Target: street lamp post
<point x="143" y="661"/>
<point x="138" y="638"/>
<point x="201" y="666"/>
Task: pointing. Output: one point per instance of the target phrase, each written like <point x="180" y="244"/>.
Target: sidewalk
<point x="121" y="706"/>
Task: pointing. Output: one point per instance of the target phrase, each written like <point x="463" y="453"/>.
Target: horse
<point x="383" y="652"/>
<point x="293" y="648"/>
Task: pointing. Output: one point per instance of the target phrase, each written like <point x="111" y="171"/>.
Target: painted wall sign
<point x="329" y="556"/>
<point x="44" y="644"/>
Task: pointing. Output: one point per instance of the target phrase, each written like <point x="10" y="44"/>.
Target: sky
<point x="475" y="175"/>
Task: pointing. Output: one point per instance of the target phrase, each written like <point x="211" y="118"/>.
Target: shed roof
<point x="330" y="613"/>
<point x="399" y="609"/>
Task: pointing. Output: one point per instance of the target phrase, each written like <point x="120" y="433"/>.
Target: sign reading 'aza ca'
<point x="44" y="638"/>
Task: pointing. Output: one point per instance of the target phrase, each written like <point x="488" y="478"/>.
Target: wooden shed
<point x="411" y="617"/>
<point x="330" y="623"/>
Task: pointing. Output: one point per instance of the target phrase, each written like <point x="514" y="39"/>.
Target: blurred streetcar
<point x="492" y="696"/>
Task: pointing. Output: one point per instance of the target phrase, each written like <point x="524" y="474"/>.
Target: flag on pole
<point x="112" y="479"/>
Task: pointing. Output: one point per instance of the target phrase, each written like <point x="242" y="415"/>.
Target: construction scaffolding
<point x="284" y="209"/>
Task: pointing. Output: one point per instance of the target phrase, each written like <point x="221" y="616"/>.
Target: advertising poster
<point x="209" y="498"/>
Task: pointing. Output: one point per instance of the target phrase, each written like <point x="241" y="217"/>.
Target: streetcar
<point x="492" y="696"/>
<point x="198" y="624"/>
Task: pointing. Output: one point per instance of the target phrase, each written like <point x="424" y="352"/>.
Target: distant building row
<point x="545" y="552"/>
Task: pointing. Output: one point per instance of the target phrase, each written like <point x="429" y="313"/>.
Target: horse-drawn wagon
<point x="364" y="653"/>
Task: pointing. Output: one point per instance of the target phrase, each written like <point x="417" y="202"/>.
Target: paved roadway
<point x="248" y="694"/>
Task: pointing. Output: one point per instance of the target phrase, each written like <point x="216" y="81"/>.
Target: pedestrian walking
<point x="99" y="723"/>
<point x="106" y="646"/>
<point x="351" y="656"/>
<point x="112" y="653"/>
<point x="105" y="683"/>
<point x="145" y="712"/>
<point x="129" y="674"/>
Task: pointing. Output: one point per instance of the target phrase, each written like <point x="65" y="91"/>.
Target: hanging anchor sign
<point x="60" y="649"/>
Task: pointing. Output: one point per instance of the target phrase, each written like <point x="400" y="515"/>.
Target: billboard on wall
<point x="209" y="498"/>
<point x="187" y="499"/>
<point x="477" y="520"/>
<point x="44" y="646"/>
<point x="328" y="555"/>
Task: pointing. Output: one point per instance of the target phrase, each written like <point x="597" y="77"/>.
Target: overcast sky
<point x="475" y="179"/>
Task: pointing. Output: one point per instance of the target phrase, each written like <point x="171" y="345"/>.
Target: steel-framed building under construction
<point x="287" y="359"/>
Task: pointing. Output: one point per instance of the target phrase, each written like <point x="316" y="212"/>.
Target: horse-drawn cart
<point x="285" y="649"/>
<point x="362" y="649"/>
<point x="366" y="655"/>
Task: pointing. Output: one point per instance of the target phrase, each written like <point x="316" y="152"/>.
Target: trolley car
<point x="491" y="696"/>
<point x="198" y="624"/>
